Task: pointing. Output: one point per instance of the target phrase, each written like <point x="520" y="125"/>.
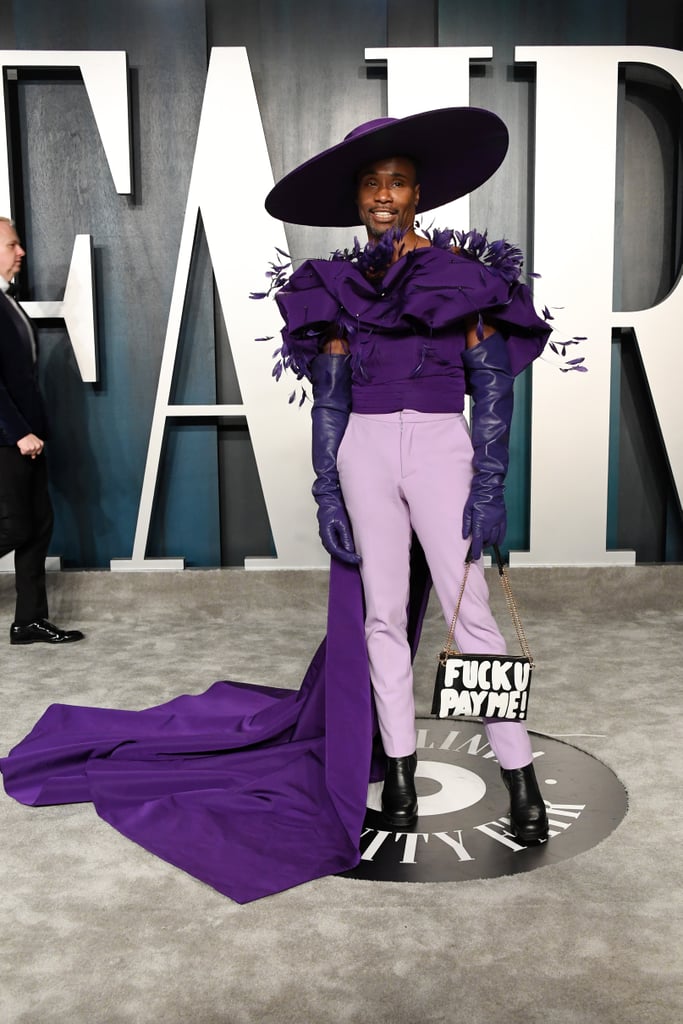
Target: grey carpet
<point x="94" y="930"/>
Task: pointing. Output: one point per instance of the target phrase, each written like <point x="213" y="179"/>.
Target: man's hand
<point x="335" y="529"/>
<point x="484" y="518"/>
<point x="30" y="445"/>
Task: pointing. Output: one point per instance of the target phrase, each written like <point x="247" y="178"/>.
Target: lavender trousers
<point x="401" y="472"/>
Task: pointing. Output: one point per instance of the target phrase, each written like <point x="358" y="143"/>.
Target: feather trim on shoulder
<point x="500" y="255"/>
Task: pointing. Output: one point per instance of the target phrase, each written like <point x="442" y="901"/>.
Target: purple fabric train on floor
<point x="251" y="789"/>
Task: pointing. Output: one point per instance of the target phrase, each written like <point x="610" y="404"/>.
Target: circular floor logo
<point x="462" y="827"/>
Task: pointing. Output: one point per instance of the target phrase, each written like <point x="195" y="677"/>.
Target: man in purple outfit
<point x="392" y="337"/>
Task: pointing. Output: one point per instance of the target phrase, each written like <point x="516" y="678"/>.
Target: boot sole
<point x="531" y="840"/>
<point x="401" y="822"/>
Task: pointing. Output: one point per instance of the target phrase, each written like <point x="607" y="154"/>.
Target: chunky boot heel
<point x="399" y="798"/>
<point x="528" y="818"/>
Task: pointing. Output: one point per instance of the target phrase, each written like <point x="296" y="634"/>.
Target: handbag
<point x="483" y="685"/>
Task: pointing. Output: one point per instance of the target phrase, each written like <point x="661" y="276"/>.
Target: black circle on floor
<point x="461" y="831"/>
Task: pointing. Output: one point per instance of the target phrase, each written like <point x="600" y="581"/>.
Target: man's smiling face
<point x="387" y="196"/>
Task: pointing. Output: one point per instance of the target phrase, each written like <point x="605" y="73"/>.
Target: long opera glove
<point x="490" y="381"/>
<point x="331" y="384"/>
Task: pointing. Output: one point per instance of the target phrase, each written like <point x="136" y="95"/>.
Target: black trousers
<point x="25" y="527"/>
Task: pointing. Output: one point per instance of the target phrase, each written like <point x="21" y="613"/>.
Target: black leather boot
<point x="399" y="799"/>
<point x="528" y="818"/>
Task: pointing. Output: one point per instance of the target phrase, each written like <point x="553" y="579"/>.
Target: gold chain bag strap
<point x="486" y="685"/>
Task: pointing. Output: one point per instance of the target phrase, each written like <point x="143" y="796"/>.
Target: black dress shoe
<point x="528" y="818"/>
<point x="399" y="799"/>
<point x="43" y="632"/>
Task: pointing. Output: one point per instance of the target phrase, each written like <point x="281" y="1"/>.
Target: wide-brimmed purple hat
<point x="456" y="149"/>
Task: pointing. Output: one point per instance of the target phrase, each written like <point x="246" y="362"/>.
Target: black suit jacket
<point x="22" y="410"/>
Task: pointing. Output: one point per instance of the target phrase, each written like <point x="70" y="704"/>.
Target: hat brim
<point x="456" y="149"/>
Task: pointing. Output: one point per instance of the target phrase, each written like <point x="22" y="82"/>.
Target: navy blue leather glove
<point x="490" y="382"/>
<point x="331" y="384"/>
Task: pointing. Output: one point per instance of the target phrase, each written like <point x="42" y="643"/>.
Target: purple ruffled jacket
<point x="406" y="335"/>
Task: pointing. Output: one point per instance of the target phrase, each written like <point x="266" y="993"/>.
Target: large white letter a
<point x="231" y="176"/>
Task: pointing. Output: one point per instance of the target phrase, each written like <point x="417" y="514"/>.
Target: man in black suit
<point x="25" y="508"/>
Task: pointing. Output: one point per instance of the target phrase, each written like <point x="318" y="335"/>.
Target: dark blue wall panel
<point x="101" y="431"/>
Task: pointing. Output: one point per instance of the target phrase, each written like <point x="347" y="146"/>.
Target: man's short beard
<point x="376" y="232"/>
